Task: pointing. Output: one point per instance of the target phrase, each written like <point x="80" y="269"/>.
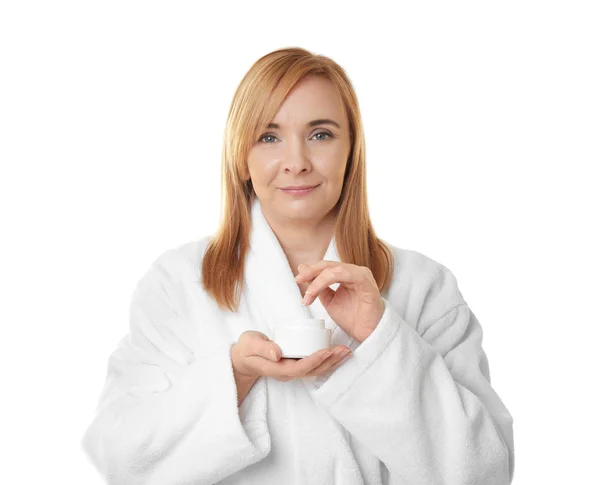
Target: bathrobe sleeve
<point x="166" y="415"/>
<point x="421" y="400"/>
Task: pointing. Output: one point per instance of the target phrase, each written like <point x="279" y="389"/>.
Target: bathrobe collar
<point x="272" y="291"/>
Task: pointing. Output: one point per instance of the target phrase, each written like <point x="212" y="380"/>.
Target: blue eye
<point x="268" y="135"/>
<point x="323" y="133"/>
<point x="265" y="136"/>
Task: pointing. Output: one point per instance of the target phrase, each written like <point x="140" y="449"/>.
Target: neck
<point x="303" y="241"/>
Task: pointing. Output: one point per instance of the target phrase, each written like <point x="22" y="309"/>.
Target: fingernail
<point x="273" y="354"/>
<point x="300" y="266"/>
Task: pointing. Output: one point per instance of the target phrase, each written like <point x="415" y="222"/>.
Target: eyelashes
<point x="266" y="135"/>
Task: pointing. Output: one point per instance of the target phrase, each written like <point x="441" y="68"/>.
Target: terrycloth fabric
<point x="412" y="406"/>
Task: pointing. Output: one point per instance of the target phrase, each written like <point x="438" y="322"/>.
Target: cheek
<point x="332" y="169"/>
<point x="262" y="170"/>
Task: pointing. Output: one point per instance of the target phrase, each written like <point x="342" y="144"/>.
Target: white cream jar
<point x="302" y="337"/>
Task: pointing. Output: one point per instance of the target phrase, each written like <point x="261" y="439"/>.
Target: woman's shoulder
<point x="178" y="270"/>
<point x="172" y="301"/>
<point x="422" y="285"/>
<point x="414" y="265"/>
<point x="187" y="254"/>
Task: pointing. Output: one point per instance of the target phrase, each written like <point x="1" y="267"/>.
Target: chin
<point x="299" y="211"/>
<point x="304" y="209"/>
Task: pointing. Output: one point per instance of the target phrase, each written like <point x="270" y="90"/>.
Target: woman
<point x="198" y="392"/>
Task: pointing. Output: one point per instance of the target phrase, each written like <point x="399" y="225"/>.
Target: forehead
<point x="311" y="98"/>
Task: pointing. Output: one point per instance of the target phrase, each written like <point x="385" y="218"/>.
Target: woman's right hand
<point x="254" y="355"/>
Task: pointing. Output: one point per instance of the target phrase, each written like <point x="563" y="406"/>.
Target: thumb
<point x="272" y="351"/>
<point x="259" y="344"/>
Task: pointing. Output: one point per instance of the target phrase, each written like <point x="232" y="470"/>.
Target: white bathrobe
<point x="413" y="405"/>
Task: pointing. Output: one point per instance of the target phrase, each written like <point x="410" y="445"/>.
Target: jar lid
<point x="305" y="322"/>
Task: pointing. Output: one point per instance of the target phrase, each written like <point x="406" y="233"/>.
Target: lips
<point x="299" y="191"/>
<point x="298" y="187"/>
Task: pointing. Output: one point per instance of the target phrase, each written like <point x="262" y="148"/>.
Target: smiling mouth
<point x="307" y="190"/>
<point x="298" y="187"/>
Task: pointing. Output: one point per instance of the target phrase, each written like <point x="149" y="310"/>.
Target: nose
<point x="296" y="159"/>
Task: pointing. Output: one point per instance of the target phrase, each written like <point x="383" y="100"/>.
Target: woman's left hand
<point x="356" y="306"/>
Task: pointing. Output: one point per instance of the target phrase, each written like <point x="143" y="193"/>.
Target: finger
<point x="326" y="364"/>
<point x="310" y="271"/>
<point x="304" y="285"/>
<point x="263" y="366"/>
<point x="342" y="273"/>
<point x="264" y="348"/>
<point x="339" y="356"/>
<point x="299" y="368"/>
<point x="326" y="295"/>
<point x="338" y="364"/>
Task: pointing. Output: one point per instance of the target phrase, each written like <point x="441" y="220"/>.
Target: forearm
<point x="152" y="419"/>
<point x="397" y="384"/>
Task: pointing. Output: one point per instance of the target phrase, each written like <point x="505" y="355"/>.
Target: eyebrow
<point x="322" y="121"/>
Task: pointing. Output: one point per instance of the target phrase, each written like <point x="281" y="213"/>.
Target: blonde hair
<point x="255" y="103"/>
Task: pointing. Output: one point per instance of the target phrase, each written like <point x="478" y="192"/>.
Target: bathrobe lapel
<point x="294" y="418"/>
<point x="272" y="292"/>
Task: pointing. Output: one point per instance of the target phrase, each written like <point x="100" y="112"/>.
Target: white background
<point x="482" y="126"/>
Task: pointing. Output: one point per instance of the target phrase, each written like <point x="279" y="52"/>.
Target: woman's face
<point x="292" y="151"/>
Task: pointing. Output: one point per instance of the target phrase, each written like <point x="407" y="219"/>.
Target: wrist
<point x="244" y="376"/>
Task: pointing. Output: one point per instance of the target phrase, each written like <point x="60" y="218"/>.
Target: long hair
<point x="255" y="103"/>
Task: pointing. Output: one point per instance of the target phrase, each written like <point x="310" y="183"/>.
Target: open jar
<point x="302" y="337"/>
